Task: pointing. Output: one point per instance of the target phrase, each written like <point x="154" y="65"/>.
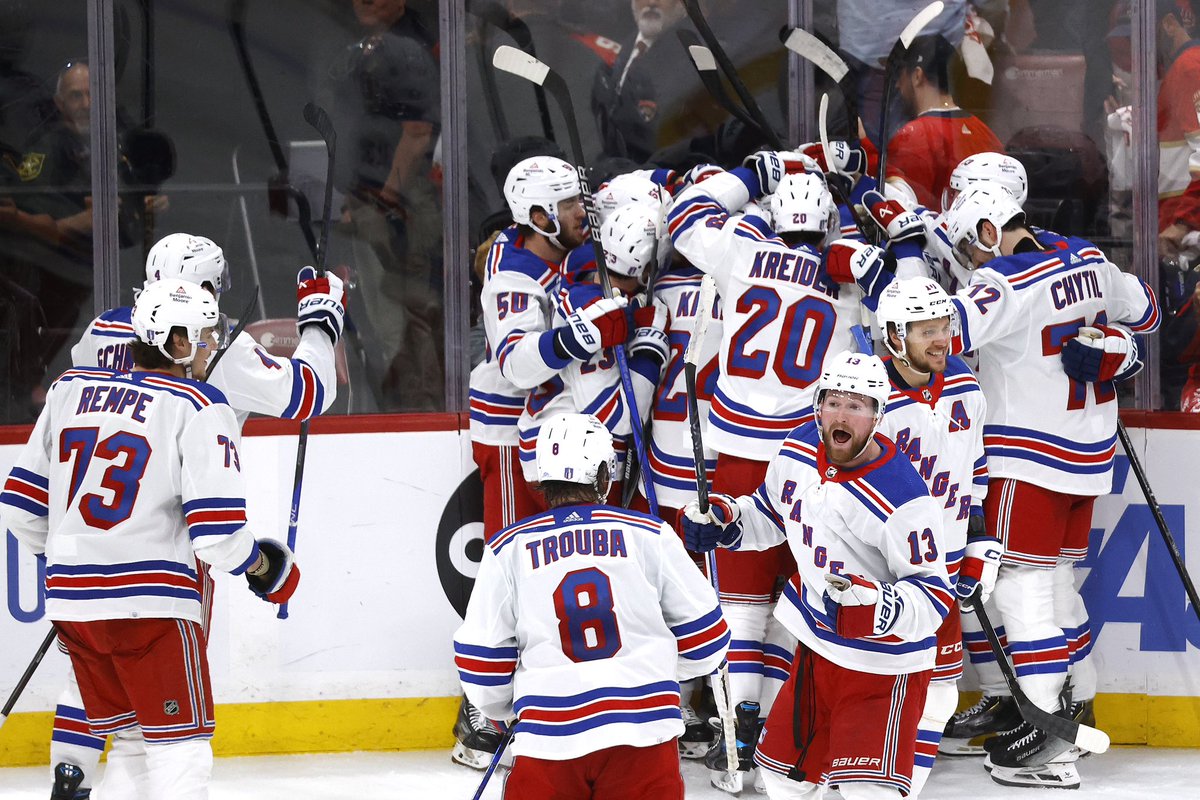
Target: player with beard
<point x="935" y="416"/>
<point x="870" y="591"/>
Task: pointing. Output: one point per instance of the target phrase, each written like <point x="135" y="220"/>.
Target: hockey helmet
<point x="176" y="303"/>
<point x="992" y="167"/>
<point x="622" y="190"/>
<point x="856" y="373"/>
<point x="571" y="448"/>
<point x="983" y="201"/>
<point x="632" y="239"/>
<point x="540" y="182"/>
<point x="192" y="258"/>
<point x="908" y="300"/>
<point x="801" y="203"/>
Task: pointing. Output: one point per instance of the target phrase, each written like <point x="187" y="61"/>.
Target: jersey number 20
<point x="128" y="453"/>
<point x="587" y="626"/>
<point x="807" y="323"/>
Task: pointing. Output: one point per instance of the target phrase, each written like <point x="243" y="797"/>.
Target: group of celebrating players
<point x="893" y="433"/>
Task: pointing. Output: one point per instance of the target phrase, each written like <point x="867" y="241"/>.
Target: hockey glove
<point x="898" y="223"/>
<point x="848" y="261"/>
<point x="720" y="527"/>
<point x="844" y="158"/>
<point x="797" y="162"/>
<point x="768" y="167"/>
<point x="1101" y="353"/>
<point x="277" y="581"/>
<point x="699" y="174"/>
<point x="981" y="561"/>
<point x="861" y="607"/>
<point x="649" y="335"/>
<point x="321" y="301"/>
<point x="602" y="323"/>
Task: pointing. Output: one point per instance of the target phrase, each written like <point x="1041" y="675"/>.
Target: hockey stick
<point x="718" y="52"/>
<point x="1091" y="739"/>
<point x="523" y="65"/>
<point x="910" y="32"/>
<point x="24" y="681"/>
<point x="706" y="69"/>
<point x="1156" y="510"/>
<point x="491" y="12"/>
<point x="314" y="115"/>
<point x="691" y="362"/>
<point x="861" y="331"/>
<point x="632" y="465"/>
<point x="237" y="329"/>
<point x="813" y="50"/>
<point x="495" y="762"/>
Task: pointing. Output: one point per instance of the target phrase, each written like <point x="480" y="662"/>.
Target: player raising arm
<point x="127" y="480"/>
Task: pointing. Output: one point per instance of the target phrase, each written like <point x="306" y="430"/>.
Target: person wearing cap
<point x="869" y="593"/>
<point x="582" y="623"/>
<point x="940" y="135"/>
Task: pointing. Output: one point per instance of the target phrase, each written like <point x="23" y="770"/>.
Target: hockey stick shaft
<point x="495" y="762"/>
<point x="317" y="117"/>
<point x="237" y="29"/>
<point x="1092" y="739"/>
<point x="633" y="465"/>
<point x="1180" y="566"/>
<point x="695" y="13"/>
<point x="515" y="27"/>
<point x="691" y="362"/>
<point x="812" y="49"/>
<point x="523" y="65"/>
<point x="706" y="68"/>
<point x="27" y="675"/>
<point x="237" y="329"/>
<point x="917" y="24"/>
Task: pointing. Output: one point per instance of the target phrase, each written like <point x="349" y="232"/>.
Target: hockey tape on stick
<point x="1091" y="739"/>
<point x="523" y="65"/>
<point x="29" y="670"/>
<point x="810" y="48"/>
<point x="910" y="32"/>
<point x="1136" y="463"/>
<point x="917" y="24"/>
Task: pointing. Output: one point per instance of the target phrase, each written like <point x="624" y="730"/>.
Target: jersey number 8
<point x="587" y="626"/>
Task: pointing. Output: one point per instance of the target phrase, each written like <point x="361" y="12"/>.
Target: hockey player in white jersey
<point x="127" y="479"/>
<point x="1045" y="314"/>
<point x="592" y="384"/>
<point x="253" y="381"/>
<point x="935" y="416"/>
<point x="782" y="315"/>
<point x="870" y="591"/>
<point x="582" y="623"/>
<point x="250" y="379"/>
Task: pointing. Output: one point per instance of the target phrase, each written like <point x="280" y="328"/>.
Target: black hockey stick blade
<point x="29" y="670"/>
<point x="317" y="117"/>
<point x="706" y="67"/>
<point x="1180" y="566"/>
<point x="237" y="329"/>
<point x="1091" y="739"/>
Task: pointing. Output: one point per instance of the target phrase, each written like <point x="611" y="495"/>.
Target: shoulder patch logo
<point x="31" y="166"/>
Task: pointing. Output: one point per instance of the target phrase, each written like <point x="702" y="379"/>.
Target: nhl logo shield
<point x="171" y="708"/>
<point x="927" y="395"/>
<point x="831" y="472"/>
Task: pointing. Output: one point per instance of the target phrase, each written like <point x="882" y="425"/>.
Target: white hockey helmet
<point x="571" y="448"/>
<point x="540" y="182"/>
<point x="801" y="203"/>
<point x="857" y="373"/>
<point x="169" y="304"/>
<point x="197" y="259"/>
<point x="993" y="167"/>
<point x="629" y="237"/>
<point x="908" y="300"/>
<point x="983" y="201"/>
<point x="622" y="190"/>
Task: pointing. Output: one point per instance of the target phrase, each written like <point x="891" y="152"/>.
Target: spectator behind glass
<point x="385" y="91"/>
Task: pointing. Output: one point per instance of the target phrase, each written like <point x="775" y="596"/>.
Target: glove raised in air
<point x="897" y="222"/>
<point x="320" y="301"/>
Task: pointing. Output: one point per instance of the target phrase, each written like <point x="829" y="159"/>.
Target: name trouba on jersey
<point x="581" y="541"/>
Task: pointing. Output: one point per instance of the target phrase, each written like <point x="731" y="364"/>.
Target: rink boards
<point x="389" y="542"/>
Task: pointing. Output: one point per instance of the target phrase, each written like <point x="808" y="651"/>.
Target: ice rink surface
<point x="1123" y="773"/>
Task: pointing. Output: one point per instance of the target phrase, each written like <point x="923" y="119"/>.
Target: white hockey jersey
<point x="877" y="521"/>
<point x="582" y="623"/>
<point x="671" y="456"/>
<point x="940" y="428"/>
<point x="127" y="478"/>
<point x="251" y="380"/>
<point x="782" y="316"/>
<point x="517" y="288"/>
<point x="585" y="387"/>
<point x="1043" y="427"/>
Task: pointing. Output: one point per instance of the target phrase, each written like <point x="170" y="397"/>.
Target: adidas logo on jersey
<point x="1075" y="259"/>
<point x="573" y="517"/>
